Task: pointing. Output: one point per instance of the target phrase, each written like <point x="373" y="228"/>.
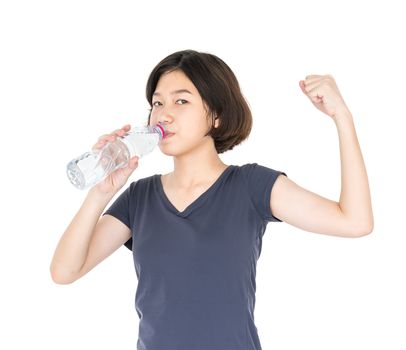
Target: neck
<point x="199" y="168"/>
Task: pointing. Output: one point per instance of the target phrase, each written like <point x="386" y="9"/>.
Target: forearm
<point x="71" y="251"/>
<point x="355" y="197"/>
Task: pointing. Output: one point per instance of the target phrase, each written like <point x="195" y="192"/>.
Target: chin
<point x="168" y="151"/>
<point x="175" y="148"/>
<point x="173" y="151"/>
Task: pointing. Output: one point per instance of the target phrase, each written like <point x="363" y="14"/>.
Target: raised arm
<point x="352" y="215"/>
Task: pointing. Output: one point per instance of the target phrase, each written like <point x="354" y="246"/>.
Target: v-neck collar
<point x="197" y="202"/>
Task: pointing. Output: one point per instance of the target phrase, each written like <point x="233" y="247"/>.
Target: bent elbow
<point x="60" y="278"/>
<point x="365" y="231"/>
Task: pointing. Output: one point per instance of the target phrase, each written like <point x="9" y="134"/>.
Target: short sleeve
<point x="260" y="180"/>
<point x="120" y="209"/>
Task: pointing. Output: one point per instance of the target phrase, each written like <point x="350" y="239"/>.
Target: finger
<point x="315" y="95"/>
<point x="309" y="77"/>
<point x="99" y="144"/>
<point x="306" y="88"/>
<point x="132" y="165"/>
<point x="112" y="137"/>
<point x="122" y="131"/>
<point x="103" y="137"/>
<point x="313" y="81"/>
<point x="117" y="132"/>
<point x="310" y="86"/>
<point x="102" y="140"/>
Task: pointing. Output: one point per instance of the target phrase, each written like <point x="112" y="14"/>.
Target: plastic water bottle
<point x="94" y="166"/>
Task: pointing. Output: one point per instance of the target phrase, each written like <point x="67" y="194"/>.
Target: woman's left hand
<point x="323" y="93"/>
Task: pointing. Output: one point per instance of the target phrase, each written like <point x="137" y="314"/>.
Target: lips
<point x="169" y="134"/>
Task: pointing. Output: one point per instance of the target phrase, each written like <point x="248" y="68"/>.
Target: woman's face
<point x="183" y="113"/>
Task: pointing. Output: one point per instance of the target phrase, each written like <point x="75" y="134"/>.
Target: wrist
<point x="343" y="116"/>
<point x="100" y="196"/>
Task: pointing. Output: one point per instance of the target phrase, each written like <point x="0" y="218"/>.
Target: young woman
<point x="196" y="232"/>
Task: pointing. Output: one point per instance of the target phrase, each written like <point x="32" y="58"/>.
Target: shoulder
<point x="145" y="181"/>
<point x="259" y="181"/>
<point x="137" y="185"/>
<point x="259" y="178"/>
<point x="255" y="171"/>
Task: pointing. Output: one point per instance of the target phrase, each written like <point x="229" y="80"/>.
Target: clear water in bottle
<point x="93" y="167"/>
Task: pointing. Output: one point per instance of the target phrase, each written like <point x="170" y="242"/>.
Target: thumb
<point x="133" y="163"/>
<point x="131" y="166"/>
<point x="302" y="86"/>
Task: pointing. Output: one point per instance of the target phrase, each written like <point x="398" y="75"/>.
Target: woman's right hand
<point x="118" y="178"/>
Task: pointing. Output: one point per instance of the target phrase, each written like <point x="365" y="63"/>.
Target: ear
<point x="216" y="121"/>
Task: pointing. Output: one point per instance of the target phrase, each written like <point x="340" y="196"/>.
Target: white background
<point x="73" y="70"/>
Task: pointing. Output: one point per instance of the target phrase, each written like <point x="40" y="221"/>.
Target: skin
<point x="89" y="239"/>
<point x="196" y="162"/>
<point x="197" y="165"/>
<point x="352" y="215"/>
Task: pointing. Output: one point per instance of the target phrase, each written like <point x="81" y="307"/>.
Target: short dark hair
<point x="220" y="92"/>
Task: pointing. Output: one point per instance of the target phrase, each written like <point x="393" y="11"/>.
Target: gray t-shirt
<point x="196" y="268"/>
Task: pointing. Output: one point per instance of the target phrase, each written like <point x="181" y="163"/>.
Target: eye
<point x="183" y="101"/>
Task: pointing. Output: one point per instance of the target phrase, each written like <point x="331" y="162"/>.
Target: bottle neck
<point x="129" y="139"/>
<point x="161" y="130"/>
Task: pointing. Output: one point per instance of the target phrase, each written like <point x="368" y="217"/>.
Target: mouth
<point x="168" y="135"/>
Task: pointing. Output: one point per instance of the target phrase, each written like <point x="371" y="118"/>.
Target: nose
<point x="164" y="117"/>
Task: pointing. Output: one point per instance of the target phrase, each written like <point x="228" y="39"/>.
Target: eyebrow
<point x="174" y="92"/>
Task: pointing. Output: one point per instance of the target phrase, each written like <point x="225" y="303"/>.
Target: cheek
<point x="152" y="118"/>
